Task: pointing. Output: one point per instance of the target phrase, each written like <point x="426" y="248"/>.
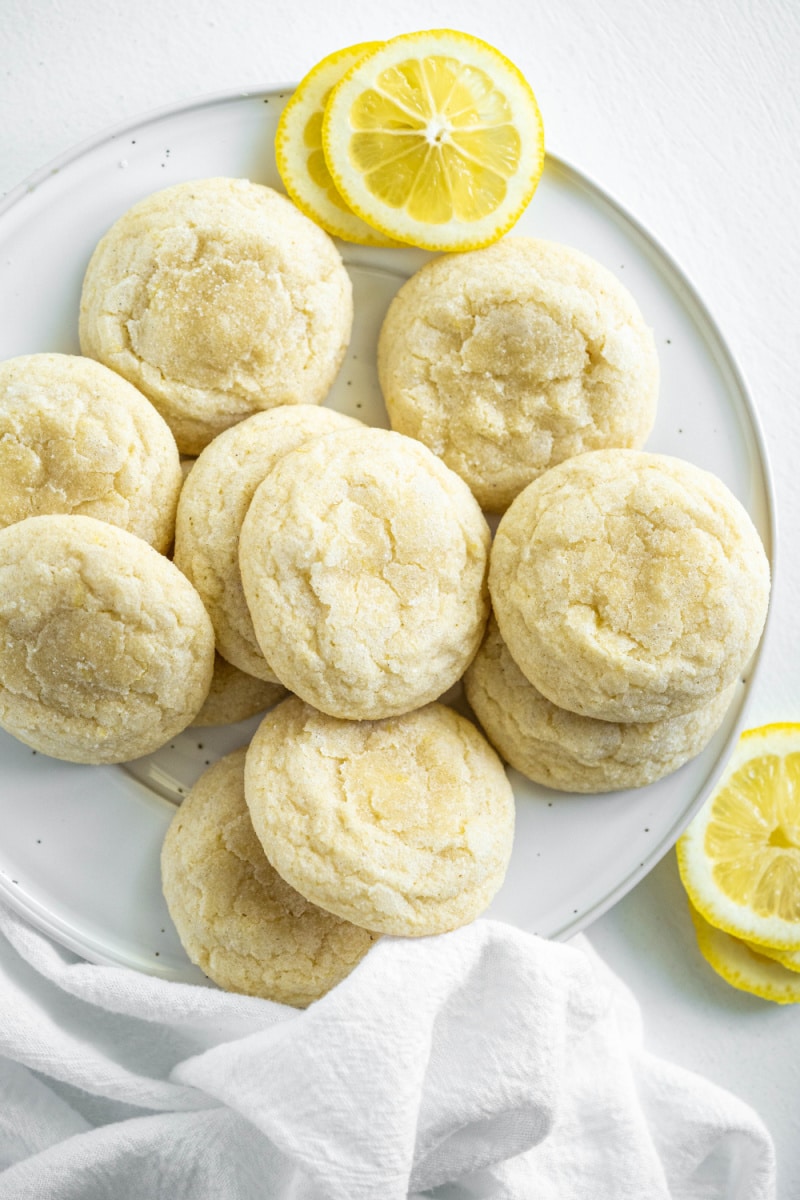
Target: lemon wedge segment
<point x="739" y="859"/>
<point x="745" y="966"/>
<point x="300" y="158"/>
<point x="436" y="139"/>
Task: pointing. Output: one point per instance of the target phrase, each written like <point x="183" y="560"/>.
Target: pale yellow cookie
<point x="234" y="696"/>
<point x="629" y="586"/>
<point x="237" y="919"/>
<point x="213" y="504"/>
<point x="363" y="560"/>
<point x="569" y="752"/>
<point x="106" y="651"/>
<point x="403" y="826"/>
<point x="218" y="298"/>
<point x="76" y="438"/>
<point x="507" y="360"/>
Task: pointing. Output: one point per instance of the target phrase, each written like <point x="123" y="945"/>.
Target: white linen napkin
<point x="481" y="1063"/>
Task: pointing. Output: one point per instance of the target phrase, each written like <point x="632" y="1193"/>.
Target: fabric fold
<point x="486" y="1062"/>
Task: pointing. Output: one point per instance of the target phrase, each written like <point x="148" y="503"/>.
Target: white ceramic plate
<point x="79" y="852"/>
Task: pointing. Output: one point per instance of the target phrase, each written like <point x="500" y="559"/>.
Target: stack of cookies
<point x="346" y="574"/>
<point x="630" y="591"/>
<point x="309" y="555"/>
<point x="348" y="564"/>
<point x="290" y="857"/>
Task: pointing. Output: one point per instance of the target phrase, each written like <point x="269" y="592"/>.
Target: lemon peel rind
<point x="790" y="959"/>
<point x="733" y="961"/>
<point x="300" y="187"/>
<point x="719" y="910"/>
<point x="472" y="235"/>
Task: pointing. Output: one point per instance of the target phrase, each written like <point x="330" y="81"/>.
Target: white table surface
<point x="688" y="112"/>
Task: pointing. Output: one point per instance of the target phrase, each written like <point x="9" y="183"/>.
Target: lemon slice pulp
<point x="745" y="966"/>
<point x="739" y="859"/>
<point x="299" y="156"/>
<point x="436" y="139"/>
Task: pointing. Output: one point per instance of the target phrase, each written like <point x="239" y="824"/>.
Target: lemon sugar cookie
<point x="237" y="919"/>
<point x="569" y="752"/>
<point x="234" y="696"/>
<point x="217" y="298"/>
<point x="403" y="826"/>
<point x="213" y="504"/>
<point x="77" y="438"/>
<point x="363" y="560"/>
<point x="106" y="651"/>
<point x="629" y="586"/>
<point x="507" y="360"/>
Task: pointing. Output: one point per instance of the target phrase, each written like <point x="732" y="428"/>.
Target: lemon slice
<point x="436" y="139"/>
<point x="739" y="859"/>
<point x="787" y="958"/>
<point x="299" y="157"/>
<point x="744" y="966"/>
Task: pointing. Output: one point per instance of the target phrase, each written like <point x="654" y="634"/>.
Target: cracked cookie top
<point x="237" y="918"/>
<point x="217" y="298"/>
<point x="629" y="586"/>
<point x="77" y="438"/>
<point x="403" y="826"/>
<point x="508" y="360"/>
<point x="363" y="560"/>
<point x="106" y="651"/>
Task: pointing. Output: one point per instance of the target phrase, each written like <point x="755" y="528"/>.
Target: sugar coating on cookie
<point x="363" y="561"/>
<point x="106" y="651"/>
<point x="507" y="360"/>
<point x="77" y="438"/>
<point x="217" y="298"/>
<point x="403" y="826"/>
<point x="236" y="918"/>
<point x="213" y="503"/>
<point x="629" y="586"/>
<point x="235" y="696"/>
<point x="572" y="753"/>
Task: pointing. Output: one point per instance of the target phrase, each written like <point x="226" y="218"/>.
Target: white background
<point x="685" y="110"/>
